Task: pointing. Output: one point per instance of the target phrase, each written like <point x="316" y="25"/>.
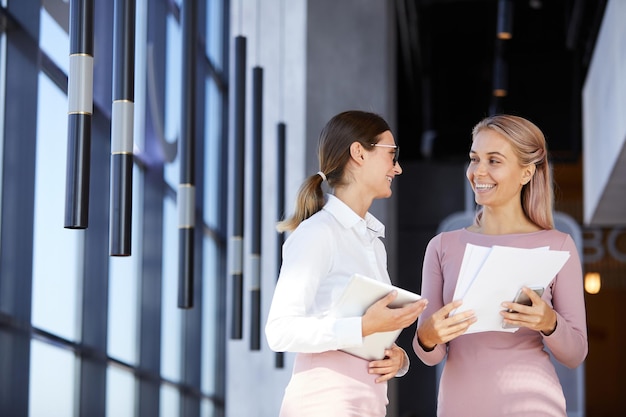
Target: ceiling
<point x="446" y="54"/>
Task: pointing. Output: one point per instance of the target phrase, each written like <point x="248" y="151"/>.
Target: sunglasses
<point x="396" y="153"/>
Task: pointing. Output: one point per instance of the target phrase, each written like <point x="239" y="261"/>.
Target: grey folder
<point x="360" y="293"/>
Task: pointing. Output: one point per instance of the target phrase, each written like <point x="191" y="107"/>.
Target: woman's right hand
<point x="441" y="327"/>
<point x="379" y="317"/>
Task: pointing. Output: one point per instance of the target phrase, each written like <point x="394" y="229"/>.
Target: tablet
<point x="360" y="293"/>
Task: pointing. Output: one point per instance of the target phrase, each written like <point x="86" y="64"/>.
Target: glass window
<point x="54" y="40"/>
<point x="213" y="157"/>
<point x="171" y="315"/>
<point x="123" y="288"/>
<point x="211" y="256"/>
<point x="58" y="262"/>
<point x="51" y="380"/>
<point x="215" y="40"/>
<point x="214" y="203"/>
<point x="170" y="399"/>
<point x="120" y="393"/>
<point x="209" y="324"/>
<point x="57" y="254"/>
<point x="207" y="408"/>
<point x="3" y="54"/>
<point x="173" y="96"/>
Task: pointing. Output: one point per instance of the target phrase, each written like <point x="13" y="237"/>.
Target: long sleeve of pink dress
<point x="498" y="373"/>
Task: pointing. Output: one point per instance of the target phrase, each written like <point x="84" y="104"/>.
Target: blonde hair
<point x="529" y="145"/>
<point x="334" y="153"/>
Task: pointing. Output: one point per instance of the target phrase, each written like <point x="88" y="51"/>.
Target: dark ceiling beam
<point x="594" y="28"/>
<point x="408" y="34"/>
<point x="573" y="28"/>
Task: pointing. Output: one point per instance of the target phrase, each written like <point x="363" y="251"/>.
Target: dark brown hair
<point x="333" y="154"/>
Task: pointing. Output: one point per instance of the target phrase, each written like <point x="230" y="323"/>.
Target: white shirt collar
<point x="349" y="219"/>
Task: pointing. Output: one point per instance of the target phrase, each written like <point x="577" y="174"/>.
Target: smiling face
<point x="494" y="172"/>
<point x="381" y="167"/>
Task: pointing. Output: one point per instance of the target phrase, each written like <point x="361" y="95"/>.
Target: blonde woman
<point x="498" y="374"/>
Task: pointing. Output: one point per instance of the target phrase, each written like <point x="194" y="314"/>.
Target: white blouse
<point x="318" y="259"/>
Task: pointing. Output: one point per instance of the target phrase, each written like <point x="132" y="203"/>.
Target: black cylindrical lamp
<point x="500" y="82"/>
<point x="237" y="185"/>
<point x="257" y="208"/>
<point x="80" y="109"/>
<point x="500" y="76"/>
<point x="186" y="197"/>
<point x="122" y="122"/>
<point x="505" y="20"/>
<point x="281" y="134"/>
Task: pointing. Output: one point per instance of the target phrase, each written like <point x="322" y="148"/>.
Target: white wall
<point x="275" y="38"/>
<point x="604" y="124"/>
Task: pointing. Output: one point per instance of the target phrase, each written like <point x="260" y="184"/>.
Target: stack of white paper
<point x="490" y="276"/>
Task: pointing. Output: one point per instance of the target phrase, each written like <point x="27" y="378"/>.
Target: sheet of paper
<point x="473" y="260"/>
<point x="502" y="273"/>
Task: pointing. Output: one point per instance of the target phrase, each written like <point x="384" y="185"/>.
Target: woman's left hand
<point x="539" y="316"/>
<point x="388" y="367"/>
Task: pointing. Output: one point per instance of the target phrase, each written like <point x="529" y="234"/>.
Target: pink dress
<point x="333" y="384"/>
<point x="497" y="374"/>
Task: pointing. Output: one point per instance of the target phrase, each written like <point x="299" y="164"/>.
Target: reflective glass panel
<point x="120" y="393"/>
<point x="211" y="314"/>
<point x="51" y="389"/>
<point x="170" y="399"/>
<point x="214" y="29"/>
<point x="53" y="38"/>
<point x="173" y="93"/>
<point x="57" y="256"/>
<point x="3" y="52"/>
<point x="171" y="314"/>
<point x="123" y="288"/>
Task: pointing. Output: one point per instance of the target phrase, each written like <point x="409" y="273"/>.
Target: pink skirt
<point x="333" y="384"/>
